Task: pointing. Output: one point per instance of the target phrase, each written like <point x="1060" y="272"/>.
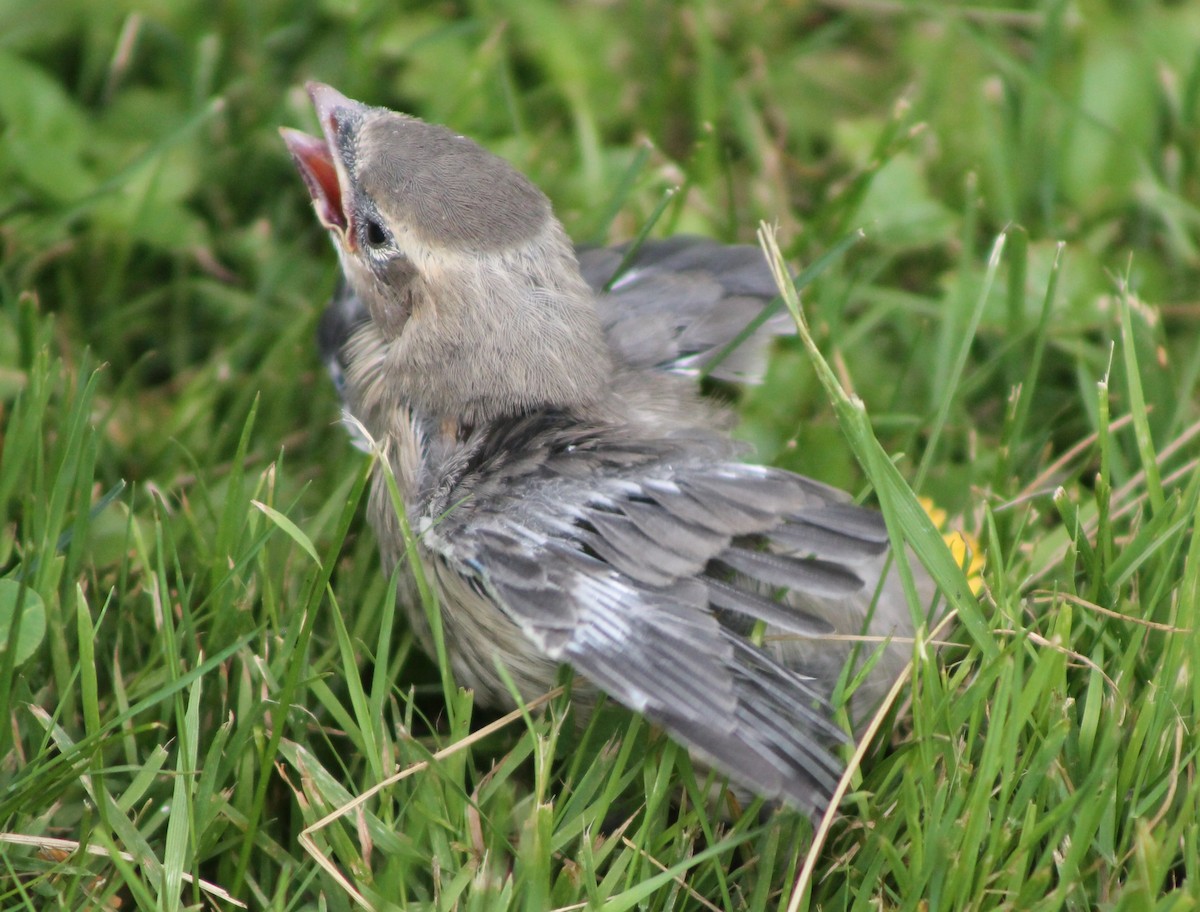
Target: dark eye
<point x="376" y="235"/>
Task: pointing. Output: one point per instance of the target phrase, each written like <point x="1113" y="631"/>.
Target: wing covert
<point x="632" y="574"/>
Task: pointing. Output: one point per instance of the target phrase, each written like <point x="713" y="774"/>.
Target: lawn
<point x="994" y="214"/>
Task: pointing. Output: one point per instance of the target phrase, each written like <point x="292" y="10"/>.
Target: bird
<point x="574" y="498"/>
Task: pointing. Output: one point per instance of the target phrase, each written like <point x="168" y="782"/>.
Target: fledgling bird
<point x="576" y="500"/>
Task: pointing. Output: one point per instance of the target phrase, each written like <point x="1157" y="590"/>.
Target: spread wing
<point x="643" y="566"/>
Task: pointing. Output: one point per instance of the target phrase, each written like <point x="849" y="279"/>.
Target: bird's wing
<point x="678" y="305"/>
<point x="642" y="569"/>
<point x="344" y="314"/>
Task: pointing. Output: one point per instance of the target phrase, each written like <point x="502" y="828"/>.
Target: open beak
<point x="319" y="161"/>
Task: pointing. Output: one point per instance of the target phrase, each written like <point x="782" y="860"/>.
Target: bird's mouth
<point x="318" y="159"/>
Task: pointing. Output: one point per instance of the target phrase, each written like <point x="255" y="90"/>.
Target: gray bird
<point x="576" y="500"/>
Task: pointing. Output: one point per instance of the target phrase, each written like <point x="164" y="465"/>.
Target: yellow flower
<point x="963" y="545"/>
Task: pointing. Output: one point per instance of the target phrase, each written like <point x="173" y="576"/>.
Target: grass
<point x="202" y="657"/>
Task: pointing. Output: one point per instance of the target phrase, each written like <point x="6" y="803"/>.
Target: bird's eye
<point x="376" y="235"/>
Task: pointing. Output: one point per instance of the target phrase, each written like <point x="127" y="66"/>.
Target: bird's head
<point x="477" y="306"/>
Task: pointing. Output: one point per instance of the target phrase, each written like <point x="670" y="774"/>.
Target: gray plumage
<point x="674" y="306"/>
<point x="576" y="500"/>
